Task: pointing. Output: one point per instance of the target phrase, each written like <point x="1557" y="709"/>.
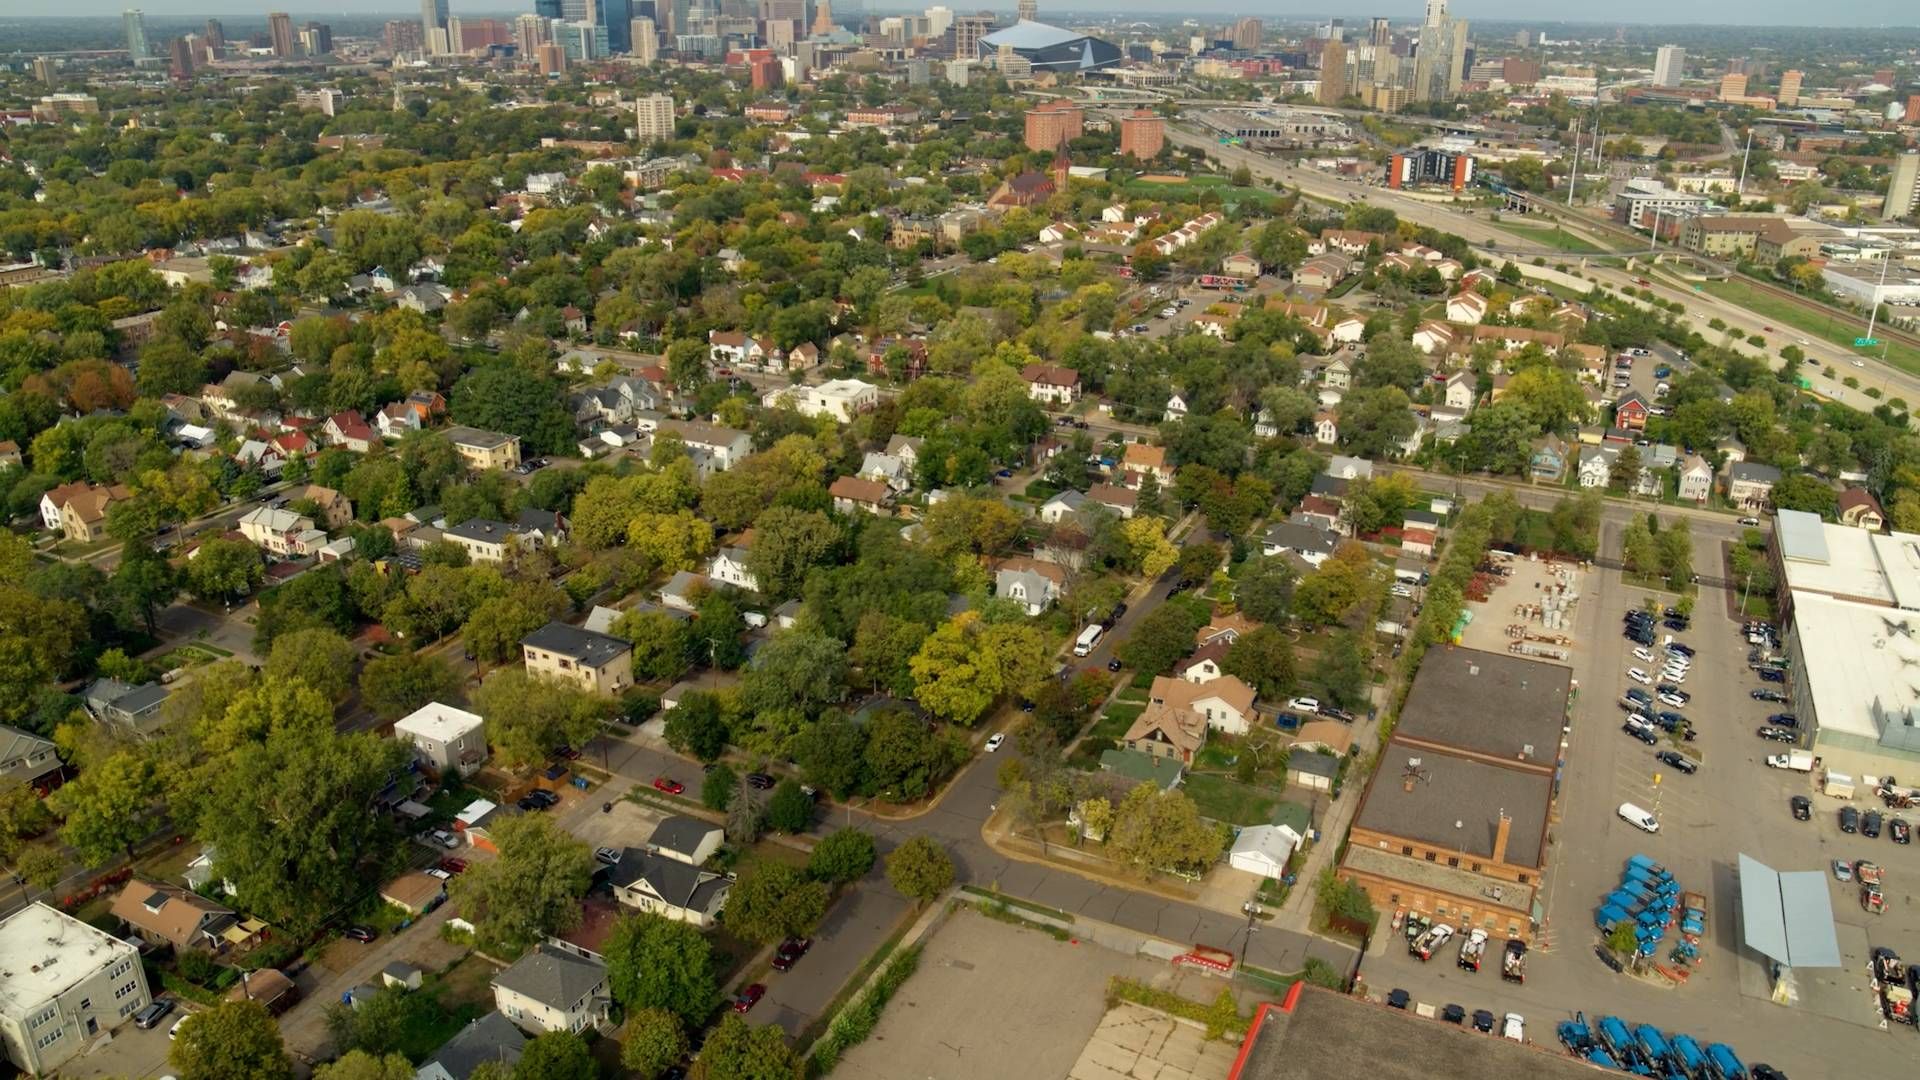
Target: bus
<point x="1088" y="639"/>
<point x="1224" y="281"/>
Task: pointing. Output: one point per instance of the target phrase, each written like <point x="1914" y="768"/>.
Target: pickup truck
<point x="1472" y="949"/>
<point x="1797" y="760"/>
<point x="1513" y="965"/>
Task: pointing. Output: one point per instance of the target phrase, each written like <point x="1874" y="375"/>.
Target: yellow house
<point x="482" y="450"/>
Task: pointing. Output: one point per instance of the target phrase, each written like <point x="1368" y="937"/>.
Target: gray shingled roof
<point x="490" y="1038"/>
<point x="675" y="882"/>
<point x="681" y="833"/>
<point x="572" y="642"/>
<point x="551" y="977"/>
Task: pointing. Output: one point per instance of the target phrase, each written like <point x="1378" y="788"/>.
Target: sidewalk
<point x="998" y="834"/>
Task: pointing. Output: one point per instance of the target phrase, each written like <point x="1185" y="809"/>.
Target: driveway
<point x="304" y="1027"/>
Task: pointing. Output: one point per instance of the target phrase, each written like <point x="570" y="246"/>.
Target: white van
<point x="1638" y="818"/>
<point x="1087" y="640"/>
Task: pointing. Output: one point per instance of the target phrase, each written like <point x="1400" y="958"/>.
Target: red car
<point x="669" y="785"/>
<point x="749" y="997"/>
<point x="454" y="866"/>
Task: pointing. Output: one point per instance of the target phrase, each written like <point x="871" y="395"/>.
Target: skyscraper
<point x="180" y="60"/>
<point x="404" y="37"/>
<point x="1379" y="31"/>
<point x="280" y="30"/>
<point x="433" y="16"/>
<point x="1029" y="10"/>
<point x="823" y="17"/>
<point x="1246" y="34"/>
<point x="135" y="23"/>
<point x="547" y="9"/>
<point x="938" y="19"/>
<point x="1669" y="65"/>
<point x="216" y="38"/>
<point x="646" y="40"/>
<point x="1903" y="190"/>
<point x="316" y="38"/>
<point x="967" y="32"/>
<point x="617" y="17"/>
<point x="1333" y="72"/>
<point x="1142" y="134"/>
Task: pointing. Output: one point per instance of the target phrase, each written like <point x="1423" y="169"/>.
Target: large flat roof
<point x="36" y="936"/>
<point x="1788" y="916"/>
<point x="1861" y="663"/>
<point x="1314" y="1033"/>
<point x="1842" y="561"/>
<point x="1455" y="803"/>
<point x="1488" y="703"/>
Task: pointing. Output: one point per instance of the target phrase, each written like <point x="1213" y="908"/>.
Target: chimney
<point x="1500" y="835"/>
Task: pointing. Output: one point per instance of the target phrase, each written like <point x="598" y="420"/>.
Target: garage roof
<point x="1787" y="916"/>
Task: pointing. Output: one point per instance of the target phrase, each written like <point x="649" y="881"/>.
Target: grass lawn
<point x="1116" y="720"/>
<point x="1837" y="329"/>
<point x="444" y="1006"/>
<point x="1556" y="237"/>
<point x="188" y="656"/>
<point x="1234" y="803"/>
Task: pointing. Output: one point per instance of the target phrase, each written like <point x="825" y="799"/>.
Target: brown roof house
<point x="170" y="915"/>
<point x="1225" y="703"/>
<point x="415" y="892"/>
<point x="267" y="986"/>
<point x="851" y="494"/>
<point x="1168" y="732"/>
<point x="1861" y="510"/>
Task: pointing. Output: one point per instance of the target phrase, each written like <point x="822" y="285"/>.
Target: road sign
<point x="1865" y="342"/>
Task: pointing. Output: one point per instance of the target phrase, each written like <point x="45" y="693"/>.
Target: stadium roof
<point x="1026" y="34"/>
<point x="1788" y="917"/>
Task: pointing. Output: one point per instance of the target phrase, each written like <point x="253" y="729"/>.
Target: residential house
<point x="489" y="541"/>
<point x="686" y="839"/>
<point x="1433" y="336"/>
<point x="1596" y="465"/>
<point x="1519" y="337"/>
<point x="83" y="509"/>
<point x="1326" y="427"/>
<point x="65" y="987"/>
<point x="1460" y="390"/>
<point x="1309" y="543"/>
<point x="1142" y="460"/>
<point x="1631" y="412"/>
<point x="281" y="532"/>
<point x="1131" y="768"/>
<point x="396" y="419"/>
<point x="1696" y="479"/>
<point x="1337" y="374"/>
<point x="841" y="399"/>
<point x="414" y="892"/>
<point x="548" y="989"/>
<point x="1321" y="513"/>
<point x="163" y="914"/>
<point x="1227" y="628"/>
<point x="851" y="494"/>
<point x="1176" y="407"/>
<point x="734" y="348"/>
<point x="714" y="447"/>
<point x="1861" y="510"/>
<point x="28" y="759"/>
<point x="482" y="450"/>
<point x="1203" y="665"/>
<point x="1117" y="499"/>
<point x="336" y="510"/>
<point x="1225" y="703"/>
<point x="1240" y="264"/>
<point x="1466" y="307"/>
<point x="448" y="739"/>
<point x="1066" y="505"/>
<point x="1419" y="542"/>
<point x="1167" y="733"/>
<point x="682" y="591"/>
<point x="9" y="454"/>
<point x="1034" y="584"/>
<point x="1312" y="769"/>
<point x="729" y="565"/>
<point x="1211" y="325"/>
<point x="597" y="662"/>
<point x="1750" y="484"/>
<point x="1548" y="460"/>
<point x="492" y="1039"/>
<point x="1346" y="467"/>
<point x="349" y="430"/>
<point x="1051" y="383"/>
<point x="1323" y="272"/>
<point x="888" y="470"/>
<point x="110" y="701"/>
<point x="1347" y="241"/>
<point x="681" y="891"/>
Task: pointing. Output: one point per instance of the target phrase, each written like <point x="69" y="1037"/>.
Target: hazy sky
<point x="1710" y="12"/>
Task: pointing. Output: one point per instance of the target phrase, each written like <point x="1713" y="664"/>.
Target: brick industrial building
<point x="1143" y="134"/>
<point x="1052" y="123"/>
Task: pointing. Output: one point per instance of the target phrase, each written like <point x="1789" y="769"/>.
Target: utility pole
<point x="1253" y="910"/>
<point x="1747" y="153"/>
<point x="1873" y="315"/>
<point x="1573" y="180"/>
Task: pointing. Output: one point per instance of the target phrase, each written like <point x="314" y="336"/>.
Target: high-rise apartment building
<point x="316" y="38"/>
<point x="529" y="33"/>
<point x="1029" y="10"/>
<point x="1051" y="123"/>
<point x="179" y="60"/>
<point x="967" y="32"/>
<point x="44" y="69"/>
<point x="216" y="39"/>
<point x="646" y="40"/>
<point x="403" y="38"/>
<point x="1669" y="65"/>
<point x="552" y="59"/>
<point x="1379" y="31"/>
<point x="1440" y="62"/>
<point x="1143" y="134"/>
<point x="433" y="16"/>
<point x="1333" y="72"/>
<point x="1903" y="190"/>
<point x="938" y="19"/>
<point x="134" y="22"/>
<point x="1733" y="85"/>
<point x="1246" y="34"/>
<point x="280" y="32"/>
<point x="653" y="118"/>
<point x="1790" y="87"/>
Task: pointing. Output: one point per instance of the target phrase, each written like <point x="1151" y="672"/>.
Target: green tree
<point x="532" y="890"/>
<point x="494" y="629"/>
<point x="654" y="962"/>
<point x="698" y="726"/>
<point x="831" y="754"/>
<point x="920" y="869"/>
<point x="360" y="1065"/>
<point x="1343" y="668"/>
<point x="787" y="543"/>
<point x="660" y="643"/>
<point x="234" y="1040"/>
<point x="556" y="1055"/>
<point x="771" y="900"/>
<point x="790" y="810"/>
<point x="744" y="816"/>
<point x="109" y="808"/>
<point x="1156" y="830"/>
<point x="841" y="857"/>
<point x="143" y="585"/>
<point x="1263" y="659"/>
<point x="716" y="790"/>
<point x="320" y="658"/>
<point x="528" y="716"/>
<point x="393" y="686"/>
<point x="1162" y="637"/>
<point x="736" y="1051"/>
<point x="653" y="1042"/>
<point x="901" y="762"/>
<point x="225" y="570"/>
<point x="967" y="663"/>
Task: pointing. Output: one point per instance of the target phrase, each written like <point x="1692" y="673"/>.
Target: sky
<point x="1834" y="13"/>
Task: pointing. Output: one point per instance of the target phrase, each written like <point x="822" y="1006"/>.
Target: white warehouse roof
<point x="442" y="723"/>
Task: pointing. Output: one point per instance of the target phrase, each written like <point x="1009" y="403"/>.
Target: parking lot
<point x="1733" y="805"/>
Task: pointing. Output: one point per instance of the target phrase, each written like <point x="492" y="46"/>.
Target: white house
<point x="1033" y="584"/>
<point x="1310" y="543"/>
<point x="842" y="399"/>
<point x="1225" y="703"/>
<point x="1466" y="307"/>
<point x="281" y="532"/>
<point x="1176" y="407"/>
<point x="449" y="739"/>
<point x="1348" y="330"/>
<point x="729" y="565"/>
<point x="1460" y="391"/>
<point x="1051" y="383"/>
<point x="1433" y="337"/>
<point x="1264" y="849"/>
<point x="650" y="881"/>
<point x="686" y="839"/>
<point x="548" y="989"/>
<point x="1696" y="479"/>
<point x="1067" y="504"/>
<point x="1326" y="428"/>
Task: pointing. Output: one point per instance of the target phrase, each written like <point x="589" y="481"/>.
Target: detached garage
<point x="1264" y="849"/>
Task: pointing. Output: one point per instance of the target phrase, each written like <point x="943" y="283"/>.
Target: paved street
<point x="1733" y="805"/>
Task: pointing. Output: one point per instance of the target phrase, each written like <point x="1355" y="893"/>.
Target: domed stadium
<point x="1049" y="48"/>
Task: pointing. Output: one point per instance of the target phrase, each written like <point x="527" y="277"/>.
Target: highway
<point x="1496" y="243"/>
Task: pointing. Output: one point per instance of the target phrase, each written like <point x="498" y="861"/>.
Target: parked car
<point x="607" y="855"/>
<point x="1483" y="1021"/>
<point x="668" y="784"/>
<point x="454" y="866"/>
<point x="759" y="781"/>
<point x="148" y="1018"/>
<point x="1774" y="734"/>
<point x="749" y="997"/>
<point x="1899" y="831"/>
<point x="1304" y="705"/>
<point x="1674" y="689"/>
<point x="1674" y="698"/>
<point x="1679" y="761"/>
<point x="790" y="952"/>
<point x="1515" y="1028"/>
<point x="362" y="934"/>
<point x="1454" y="1014"/>
<point x="1639" y="676"/>
<point x="1643" y="655"/>
<point x="436" y="872"/>
<point x="994" y="741"/>
<point x="1802" y="808"/>
<point x="1849" y="820"/>
<point x="444" y="838"/>
<point x="1397" y="998"/>
<point x="1870" y="823"/>
<point x="1768" y="694"/>
<point x="1775" y="675"/>
<point x="1784" y="719"/>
